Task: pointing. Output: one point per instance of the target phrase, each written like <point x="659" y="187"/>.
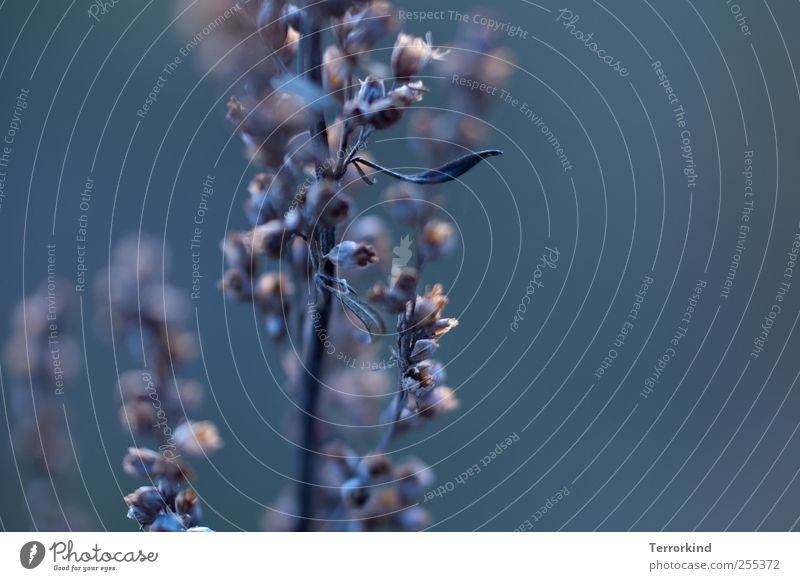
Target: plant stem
<point x="313" y="356"/>
<point x="311" y="59"/>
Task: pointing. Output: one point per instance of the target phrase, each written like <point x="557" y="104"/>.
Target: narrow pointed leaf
<point x="364" y="176"/>
<point x="365" y="313"/>
<point x="449" y="171"/>
<point x="368" y="316"/>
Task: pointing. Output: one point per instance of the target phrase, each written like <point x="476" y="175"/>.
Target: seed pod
<point x="335" y="68"/>
<point x="262" y="207"/>
<point x="371" y="90"/>
<point x="188" y="507"/>
<point x="325" y="205"/>
<point x="411" y="54"/>
<point x="368" y="27"/>
<point x="273" y="292"/>
<point x="151" y="465"/>
<point x="354" y="494"/>
<point x="137" y="415"/>
<point x="374" y="467"/>
<point x="271" y="238"/>
<point x="349" y="254"/>
<point x="439" y="239"/>
<point x="423" y="348"/>
<point x="145" y="504"/>
<point x="167" y="523"/>
<point x="238" y="255"/>
<point x="197" y="438"/>
<point x="414" y="519"/>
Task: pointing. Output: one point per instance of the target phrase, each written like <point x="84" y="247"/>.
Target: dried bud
<point x="271" y="238"/>
<point x="275" y="326"/>
<point x="414" y="519"/>
<point x="440" y="401"/>
<point x="325" y="205"/>
<point x="167" y="523"/>
<point x="428" y="308"/>
<point x="335" y="67"/>
<point x="188" y="507"/>
<point x="371" y="90"/>
<point x="414" y="476"/>
<point x="423" y="348"/>
<point x="273" y="292"/>
<point x="238" y="255"/>
<point x="411" y="54"/>
<point x="145" y="463"/>
<point x="138" y="416"/>
<point x="236" y="283"/>
<point x="368" y="27"/>
<point x="145" y="504"/>
<point x="397" y="296"/>
<point x="374" y="467"/>
<point x="349" y="254"/>
<point x="418" y="379"/>
<point x="383" y="112"/>
<point x="439" y="239"/>
<point x="406" y="202"/>
<point x="262" y="205"/>
<point x="443" y="326"/>
<point x="354" y="494"/>
<point x="197" y="438"/>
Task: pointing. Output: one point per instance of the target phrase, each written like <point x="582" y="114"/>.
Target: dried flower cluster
<point x="309" y="130"/>
<point x="39" y="359"/>
<point x="150" y="314"/>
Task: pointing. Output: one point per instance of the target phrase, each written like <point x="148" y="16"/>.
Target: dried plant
<point x="40" y="358"/>
<point x="297" y="264"/>
<point x="148" y="314"/>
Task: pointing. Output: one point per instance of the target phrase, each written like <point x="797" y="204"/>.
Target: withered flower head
<point x="326" y="205"/>
<point x="349" y="254"/>
<point x="273" y="291"/>
<point x="197" y="438"/>
<point x="271" y="238"/>
<point x="395" y="298"/>
<point x="151" y="465"/>
<point x="367" y="27"/>
<point x="438" y="239"/>
<point x="385" y="111"/>
<point x="145" y="504"/>
<point x="372" y="89"/>
<point x="335" y="67"/>
<point x="411" y="54"/>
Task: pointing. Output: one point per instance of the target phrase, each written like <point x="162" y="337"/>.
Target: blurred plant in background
<point x="40" y="359"/>
<point x="148" y="315"/>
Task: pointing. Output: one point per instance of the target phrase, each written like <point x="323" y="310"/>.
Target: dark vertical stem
<point x="311" y="55"/>
<point x="312" y="43"/>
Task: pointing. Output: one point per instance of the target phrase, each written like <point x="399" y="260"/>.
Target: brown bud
<point x="349" y="254"/>
<point x="411" y="54"/>
<point x="325" y="205"/>
<point x="439" y="239"/>
<point x="271" y="238"/>
<point x="197" y="438"/>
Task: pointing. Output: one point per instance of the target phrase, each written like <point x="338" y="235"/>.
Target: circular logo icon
<point x="31" y="554"/>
